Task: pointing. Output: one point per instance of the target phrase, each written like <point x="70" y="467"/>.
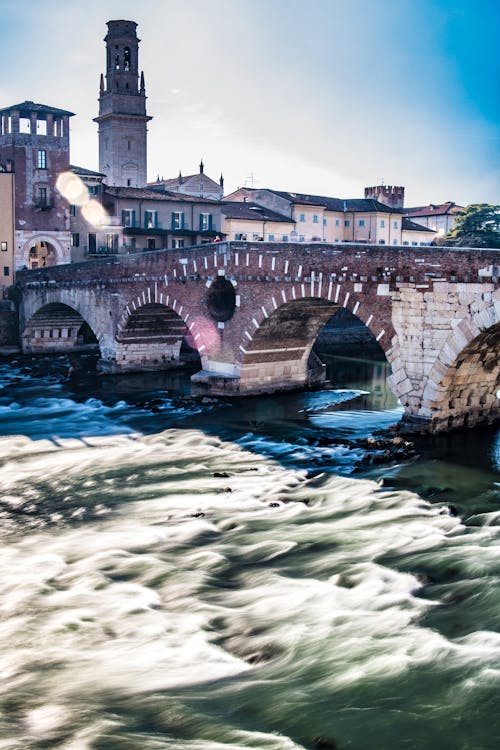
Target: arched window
<point x="117" y="62"/>
<point x="126" y="58"/>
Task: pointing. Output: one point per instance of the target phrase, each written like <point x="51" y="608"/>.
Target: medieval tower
<point x="122" y="116"/>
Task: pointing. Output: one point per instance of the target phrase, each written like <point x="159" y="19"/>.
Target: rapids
<point x="206" y="574"/>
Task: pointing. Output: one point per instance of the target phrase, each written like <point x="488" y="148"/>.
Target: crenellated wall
<point x="254" y="310"/>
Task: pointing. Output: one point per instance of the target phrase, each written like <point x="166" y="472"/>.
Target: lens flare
<point x="94" y="213"/>
<point x="205" y="334"/>
<point x="72" y="188"/>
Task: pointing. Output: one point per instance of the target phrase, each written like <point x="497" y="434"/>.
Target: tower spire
<point x="202" y="166"/>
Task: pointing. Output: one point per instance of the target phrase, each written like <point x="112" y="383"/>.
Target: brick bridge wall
<point x="253" y="311"/>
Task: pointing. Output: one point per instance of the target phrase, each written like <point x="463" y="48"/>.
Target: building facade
<point x="34" y="141"/>
<point x="122" y="118"/>
<point x="198" y="185"/>
<point x="440" y="217"/>
<point x="317" y="218"/>
<point x="7" y="223"/>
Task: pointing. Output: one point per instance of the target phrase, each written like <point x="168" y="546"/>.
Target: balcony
<point x="43" y="204"/>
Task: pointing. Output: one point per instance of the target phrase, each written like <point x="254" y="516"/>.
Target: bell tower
<point x="122" y="115"/>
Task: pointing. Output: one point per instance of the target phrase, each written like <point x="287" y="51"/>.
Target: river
<point x="215" y="574"/>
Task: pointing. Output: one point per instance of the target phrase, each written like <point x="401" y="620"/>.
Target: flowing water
<point x="208" y="574"/>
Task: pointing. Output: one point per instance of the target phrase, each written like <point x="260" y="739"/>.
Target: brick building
<point x="34" y="141"/>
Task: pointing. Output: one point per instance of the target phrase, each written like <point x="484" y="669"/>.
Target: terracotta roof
<point x="43" y="109"/>
<point x="251" y="211"/>
<point x="154" y="195"/>
<point x="82" y="170"/>
<point x="434" y="209"/>
<point x="414" y="227"/>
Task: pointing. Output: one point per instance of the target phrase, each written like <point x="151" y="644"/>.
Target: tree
<point x="477" y="225"/>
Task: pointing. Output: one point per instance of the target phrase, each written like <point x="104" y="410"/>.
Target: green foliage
<point x="477" y="225"/>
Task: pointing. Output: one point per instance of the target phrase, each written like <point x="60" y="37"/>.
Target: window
<point x="75" y="239"/>
<point x="129" y="182"/>
<point x="128" y="217"/>
<point x="324" y="222"/>
<point x="126" y="59"/>
<point x="337" y="222"/>
<point x="177" y="220"/>
<point x="205" y="222"/>
<point x="72" y="210"/>
<point x="302" y="217"/>
<point x="382" y="223"/>
<point x="41" y="159"/>
<point x="406" y="242"/>
<point x="285" y="238"/>
<point x="93" y="189"/>
<point x="255" y="236"/>
<point x="3" y="246"/>
<point x="112" y="241"/>
<point x="347" y="223"/>
<point x="151" y="243"/>
<point x="128" y="145"/>
<point x="394" y="242"/>
<point x="6" y="271"/>
<point x="301" y="238"/>
<point x="270" y="237"/>
<point x="42" y="196"/>
<point x="315" y="218"/>
<point x="177" y="243"/>
<point x="150" y="219"/>
<point x="381" y="242"/>
<point x="414" y="243"/>
<point x="361" y="222"/>
<point x="395" y="224"/>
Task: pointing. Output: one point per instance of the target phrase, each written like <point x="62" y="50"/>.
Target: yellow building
<point x="7" y="219"/>
<point x="251" y="221"/>
<point x="319" y="218"/>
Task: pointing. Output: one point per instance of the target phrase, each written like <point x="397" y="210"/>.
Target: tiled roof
<point x="434" y="209"/>
<point x="337" y="204"/>
<point x="28" y="106"/>
<point x="83" y="171"/>
<point x="414" y="227"/>
<point x="251" y="211"/>
<point x="154" y="195"/>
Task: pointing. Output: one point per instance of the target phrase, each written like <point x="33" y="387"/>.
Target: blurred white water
<point x="158" y="605"/>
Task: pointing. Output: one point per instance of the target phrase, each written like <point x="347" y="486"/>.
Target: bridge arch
<point x="462" y="387"/>
<point x="58" y="327"/>
<point x="155" y="332"/>
<point x="277" y="353"/>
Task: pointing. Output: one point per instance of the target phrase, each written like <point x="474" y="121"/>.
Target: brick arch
<point x="55" y="326"/>
<point x="279" y="339"/>
<point x="64" y="297"/>
<point x="139" y="346"/>
<point x="462" y="384"/>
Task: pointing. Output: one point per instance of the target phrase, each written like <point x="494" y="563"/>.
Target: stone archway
<point x="41" y="251"/>
<point x="42" y="254"/>
<point x="468" y="391"/>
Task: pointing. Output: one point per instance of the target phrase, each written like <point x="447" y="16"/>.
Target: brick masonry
<point x="434" y="312"/>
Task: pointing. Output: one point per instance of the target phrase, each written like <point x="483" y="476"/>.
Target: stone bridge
<point x="253" y="312"/>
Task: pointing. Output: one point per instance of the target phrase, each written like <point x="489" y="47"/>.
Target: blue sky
<point x="323" y="96"/>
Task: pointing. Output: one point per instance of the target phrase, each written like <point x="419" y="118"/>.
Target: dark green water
<point x="215" y="575"/>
